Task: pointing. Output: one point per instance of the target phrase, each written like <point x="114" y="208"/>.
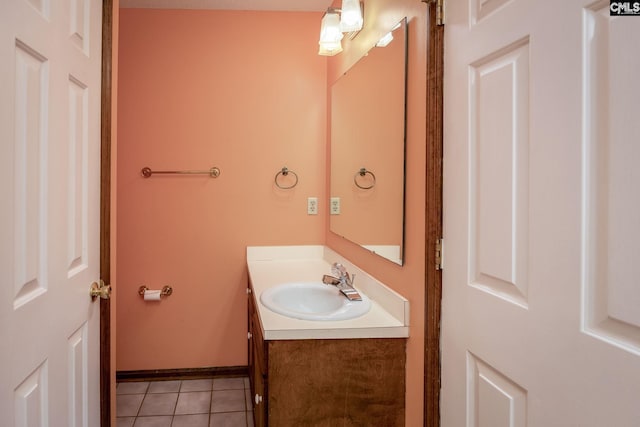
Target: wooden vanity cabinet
<point x="326" y="382"/>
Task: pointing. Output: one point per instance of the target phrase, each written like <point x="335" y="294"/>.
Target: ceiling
<point x="282" y="5"/>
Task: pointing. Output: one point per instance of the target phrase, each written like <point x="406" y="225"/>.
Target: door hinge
<point x="439" y="254"/>
<point x="439" y="10"/>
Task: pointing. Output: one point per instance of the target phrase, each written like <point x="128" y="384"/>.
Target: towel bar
<point x="214" y="172"/>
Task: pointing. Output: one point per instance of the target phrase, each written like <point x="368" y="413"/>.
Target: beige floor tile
<point x="128" y="405"/>
<point x="159" y="404"/>
<point x="196" y="385"/>
<point x="164" y="386"/>
<point x="125" y="421"/>
<point x="228" y="383"/>
<point x="196" y="402"/>
<point x="227" y="401"/>
<point x="153" y="422"/>
<point x="132" y="387"/>
<point x="198" y="420"/>
<point x="248" y="399"/>
<point x="229" y="419"/>
<point x="186" y="403"/>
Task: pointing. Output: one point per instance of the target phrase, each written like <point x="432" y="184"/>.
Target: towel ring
<point x="363" y="172"/>
<point x="284" y="172"/>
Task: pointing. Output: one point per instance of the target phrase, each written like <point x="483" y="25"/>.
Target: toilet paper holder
<point x="165" y="292"/>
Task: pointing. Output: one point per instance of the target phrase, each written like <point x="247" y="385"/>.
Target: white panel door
<point x="541" y="279"/>
<point x="50" y="56"/>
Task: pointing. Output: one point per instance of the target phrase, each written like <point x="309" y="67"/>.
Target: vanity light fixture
<point x="351" y="17"/>
<point x="347" y="19"/>
<point x="330" y="34"/>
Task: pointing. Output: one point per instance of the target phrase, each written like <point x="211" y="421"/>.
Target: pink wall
<point x="246" y="92"/>
<point x="409" y="280"/>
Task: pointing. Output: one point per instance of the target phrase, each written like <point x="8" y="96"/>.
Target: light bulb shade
<point x="351" y="16"/>
<point x="330" y="48"/>
<point x="330" y="28"/>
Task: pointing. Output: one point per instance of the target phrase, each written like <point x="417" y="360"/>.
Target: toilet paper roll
<point x="150" y="295"/>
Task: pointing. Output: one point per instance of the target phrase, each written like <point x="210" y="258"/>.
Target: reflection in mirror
<point x="368" y="148"/>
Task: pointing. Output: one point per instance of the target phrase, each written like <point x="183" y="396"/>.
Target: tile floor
<point x="218" y="402"/>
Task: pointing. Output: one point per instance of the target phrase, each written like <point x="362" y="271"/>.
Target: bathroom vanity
<point x="324" y="372"/>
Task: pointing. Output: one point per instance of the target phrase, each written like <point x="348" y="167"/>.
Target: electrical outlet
<point x="335" y="206"/>
<point x="312" y="206"/>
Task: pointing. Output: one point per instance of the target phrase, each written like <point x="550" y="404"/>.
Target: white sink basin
<point x="313" y="301"/>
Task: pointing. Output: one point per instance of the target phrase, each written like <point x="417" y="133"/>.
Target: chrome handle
<point x="258" y="399"/>
<point x="338" y="269"/>
<point x="249" y="335"/>
<point x="99" y="289"/>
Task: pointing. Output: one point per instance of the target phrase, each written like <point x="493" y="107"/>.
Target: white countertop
<point x="272" y="265"/>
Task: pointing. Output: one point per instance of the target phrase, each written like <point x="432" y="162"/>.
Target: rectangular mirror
<point x="368" y="117"/>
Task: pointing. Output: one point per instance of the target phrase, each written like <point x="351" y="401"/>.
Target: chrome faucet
<point x="342" y="281"/>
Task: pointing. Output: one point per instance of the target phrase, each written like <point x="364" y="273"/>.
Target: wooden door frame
<point x="433" y="220"/>
<point x="105" y="212"/>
